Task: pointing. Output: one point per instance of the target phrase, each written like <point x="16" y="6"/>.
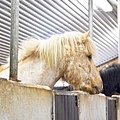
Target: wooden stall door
<point x="66" y="107"/>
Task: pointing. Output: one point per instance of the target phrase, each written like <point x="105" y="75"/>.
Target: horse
<point x="111" y="79"/>
<point x="65" y="56"/>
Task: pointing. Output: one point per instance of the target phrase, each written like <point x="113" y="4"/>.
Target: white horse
<point x="67" y="56"/>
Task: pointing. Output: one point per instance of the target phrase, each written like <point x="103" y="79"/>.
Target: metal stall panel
<point x="66" y="107"/>
<point x="111" y="109"/>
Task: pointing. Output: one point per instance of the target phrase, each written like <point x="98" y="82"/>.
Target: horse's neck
<point x="34" y="72"/>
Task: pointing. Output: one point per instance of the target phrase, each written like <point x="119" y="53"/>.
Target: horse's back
<point x="4" y="74"/>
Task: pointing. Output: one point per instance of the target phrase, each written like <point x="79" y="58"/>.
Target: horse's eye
<point x="89" y="57"/>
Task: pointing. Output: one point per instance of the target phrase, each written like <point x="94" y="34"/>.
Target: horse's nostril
<point x="97" y="89"/>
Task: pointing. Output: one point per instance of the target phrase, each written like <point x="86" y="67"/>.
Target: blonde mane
<point x="54" y="49"/>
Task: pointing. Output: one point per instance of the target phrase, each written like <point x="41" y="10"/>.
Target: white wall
<point x="92" y="107"/>
<point x="24" y="102"/>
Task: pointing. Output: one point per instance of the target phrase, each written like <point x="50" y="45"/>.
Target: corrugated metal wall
<point x="44" y="18"/>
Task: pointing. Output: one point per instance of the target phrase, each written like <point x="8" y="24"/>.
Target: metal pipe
<point x="90" y="17"/>
<point x="118" y="16"/>
<point x="14" y="40"/>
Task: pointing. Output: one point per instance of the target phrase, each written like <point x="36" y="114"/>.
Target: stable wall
<point x="34" y="102"/>
<point x="76" y="105"/>
<point x="24" y="102"/>
<point x="117" y="105"/>
<point x="92" y="107"/>
<point x="118" y="108"/>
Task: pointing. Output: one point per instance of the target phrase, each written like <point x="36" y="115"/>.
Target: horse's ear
<point x="85" y="36"/>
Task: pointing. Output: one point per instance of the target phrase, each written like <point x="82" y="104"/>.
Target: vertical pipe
<point x="118" y="16"/>
<point x="14" y="40"/>
<point x="90" y="17"/>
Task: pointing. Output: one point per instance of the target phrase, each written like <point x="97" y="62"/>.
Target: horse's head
<point x="67" y="56"/>
<point x="80" y="69"/>
<point x="111" y="77"/>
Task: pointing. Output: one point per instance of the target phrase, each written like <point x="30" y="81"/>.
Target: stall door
<point x="66" y="107"/>
<point x="111" y="109"/>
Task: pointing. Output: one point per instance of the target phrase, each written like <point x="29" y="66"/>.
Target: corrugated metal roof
<point x="44" y="18"/>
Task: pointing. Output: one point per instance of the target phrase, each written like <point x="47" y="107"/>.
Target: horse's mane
<point x="111" y="79"/>
<point x="111" y="75"/>
<point x="52" y="50"/>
